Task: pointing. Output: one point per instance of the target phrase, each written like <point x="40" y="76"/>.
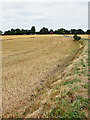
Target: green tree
<point x="79" y="31"/>
<point x="51" y="30"/>
<point x="73" y="31"/>
<point x="44" y="31"/>
<point x="76" y="37"/>
<point x="1" y="32"/>
<point x="88" y="32"/>
<point x="61" y="31"/>
<point x="33" y="30"/>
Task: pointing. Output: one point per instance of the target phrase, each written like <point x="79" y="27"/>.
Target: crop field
<point x="28" y="61"/>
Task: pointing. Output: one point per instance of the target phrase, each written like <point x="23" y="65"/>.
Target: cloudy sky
<point x="52" y="14"/>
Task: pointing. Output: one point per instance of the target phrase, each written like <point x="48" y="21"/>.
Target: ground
<point x="39" y="71"/>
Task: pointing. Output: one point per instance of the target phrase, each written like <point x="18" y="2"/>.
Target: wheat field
<point x="26" y="60"/>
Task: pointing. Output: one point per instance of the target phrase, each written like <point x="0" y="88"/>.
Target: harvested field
<point x="10" y="37"/>
<point x="28" y="61"/>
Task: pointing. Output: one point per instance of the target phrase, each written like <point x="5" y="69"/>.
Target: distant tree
<point x="73" y="31"/>
<point x="44" y="31"/>
<point x="12" y="31"/>
<point x="67" y="32"/>
<point x="88" y="31"/>
<point x="33" y="30"/>
<point x="79" y="31"/>
<point x="1" y="32"/>
<point x="37" y="32"/>
<point x="18" y="31"/>
<point x="51" y="30"/>
<point x="7" y="32"/>
<point x="61" y="31"/>
<point x="76" y="37"/>
<point x="23" y="31"/>
<point x="28" y="32"/>
<point x="55" y="32"/>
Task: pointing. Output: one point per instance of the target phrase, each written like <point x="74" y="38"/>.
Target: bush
<point x="76" y="37"/>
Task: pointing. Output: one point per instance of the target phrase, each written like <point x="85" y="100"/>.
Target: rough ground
<point x="65" y="94"/>
<point x="34" y="71"/>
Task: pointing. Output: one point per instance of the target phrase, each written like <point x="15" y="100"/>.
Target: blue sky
<point x="50" y="14"/>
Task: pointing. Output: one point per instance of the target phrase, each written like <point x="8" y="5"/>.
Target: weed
<point x="83" y="72"/>
<point x="71" y="82"/>
<point x="86" y="85"/>
<point x="76" y="87"/>
<point x="88" y="64"/>
<point x="81" y="42"/>
<point x="85" y="103"/>
<point x="52" y="112"/>
<point x="80" y="98"/>
<point x="82" y="63"/>
<point x="83" y="114"/>
<point x="75" y="68"/>
<point x="24" y="113"/>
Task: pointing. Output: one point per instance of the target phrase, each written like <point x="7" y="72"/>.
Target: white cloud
<point x="49" y="14"/>
<point x="43" y="1"/>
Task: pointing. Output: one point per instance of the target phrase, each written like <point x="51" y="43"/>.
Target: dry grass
<point x="67" y="96"/>
<point x="26" y="61"/>
<point x="10" y="37"/>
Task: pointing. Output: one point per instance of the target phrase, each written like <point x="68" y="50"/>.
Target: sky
<point x="53" y="14"/>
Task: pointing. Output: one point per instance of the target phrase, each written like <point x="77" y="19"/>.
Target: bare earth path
<point x="27" y="62"/>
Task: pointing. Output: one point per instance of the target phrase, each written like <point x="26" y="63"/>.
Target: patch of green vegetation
<point x="88" y="64"/>
<point x="88" y="51"/>
<point x="65" y="109"/>
<point x="52" y="111"/>
<point x="17" y="116"/>
<point x="69" y="74"/>
<point x="75" y="70"/>
<point x="75" y="87"/>
<point x="88" y="75"/>
<point x="24" y="113"/>
<point x="82" y="63"/>
<point x="86" y="85"/>
<point x="47" y="82"/>
<point x="81" y="41"/>
<point x="80" y="98"/>
<point x="83" y="72"/>
<point x="88" y="60"/>
<point x="63" y="93"/>
<point x="72" y="81"/>
<point x="85" y="103"/>
<point x="88" y="57"/>
<point x="71" y="110"/>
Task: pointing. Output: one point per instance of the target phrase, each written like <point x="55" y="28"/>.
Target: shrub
<point x="76" y="37"/>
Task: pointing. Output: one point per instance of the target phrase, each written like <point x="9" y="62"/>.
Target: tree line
<point x="44" y="30"/>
